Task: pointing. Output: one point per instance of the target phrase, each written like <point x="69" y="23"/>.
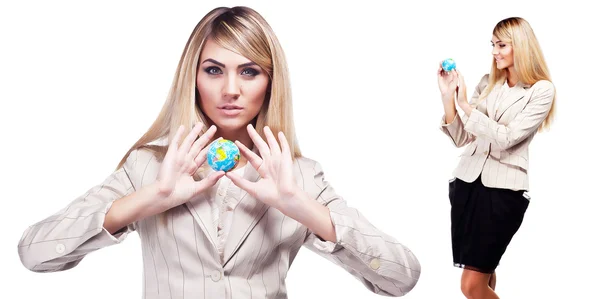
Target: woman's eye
<point x="211" y="70"/>
<point x="250" y="72"/>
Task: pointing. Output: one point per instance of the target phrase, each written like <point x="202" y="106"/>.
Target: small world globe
<point x="448" y="64"/>
<point x="223" y="155"/>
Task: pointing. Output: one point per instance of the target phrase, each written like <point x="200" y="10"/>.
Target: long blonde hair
<point x="529" y="62"/>
<point x="243" y="31"/>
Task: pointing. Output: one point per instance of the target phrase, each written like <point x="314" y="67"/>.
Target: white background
<point x="79" y="83"/>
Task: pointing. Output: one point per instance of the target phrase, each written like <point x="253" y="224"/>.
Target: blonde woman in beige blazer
<point x="210" y="234"/>
<point x="487" y="193"/>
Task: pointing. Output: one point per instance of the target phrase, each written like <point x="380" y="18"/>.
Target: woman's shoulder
<point x="543" y="92"/>
<point x="147" y="153"/>
<point x="142" y="164"/>
<point x="307" y="164"/>
<point x="307" y="169"/>
<point x="309" y="175"/>
<point x="485" y="80"/>
<point x="543" y="85"/>
<point x="483" y="83"/>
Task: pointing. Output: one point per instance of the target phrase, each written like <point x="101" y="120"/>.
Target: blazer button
<point x="60" y="248"/>
<point x="375" y="264"/>
<point x="216" y="275"/>
<point x="485" y="153"/>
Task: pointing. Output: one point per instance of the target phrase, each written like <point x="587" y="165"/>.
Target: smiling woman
<point x="210" y="234"/>
<point x="488" y="191"/>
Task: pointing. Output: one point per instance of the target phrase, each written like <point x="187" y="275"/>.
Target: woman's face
<point x="232" y="88"/>
<point x="503" y="53"/>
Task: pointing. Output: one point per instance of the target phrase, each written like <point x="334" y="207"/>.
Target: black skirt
<point x="484" y="220"/>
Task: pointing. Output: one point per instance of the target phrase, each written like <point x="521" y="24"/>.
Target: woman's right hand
<point x="175" y="179"/>
<point x="447" y="82"/>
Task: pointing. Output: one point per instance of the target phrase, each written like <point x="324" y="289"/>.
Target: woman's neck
<point x="511" y="77"/>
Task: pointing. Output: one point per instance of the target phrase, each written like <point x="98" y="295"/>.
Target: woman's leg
<point x="475" y="285"/>
<point x="492" y="282"/>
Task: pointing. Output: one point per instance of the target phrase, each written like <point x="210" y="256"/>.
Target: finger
<point x="175" y="142"/>
<point x="201" y="142"/>
<point x="461" y="79"/>
<point x="201" y="157"/>
<point x="286" y="163"/>
<point x="189" y="139"/>
<point x="242" y="183"/>
<point x="285" y="148"/>
<point x="455" y="78"/>
<point x="263" y="148"/>
<point x="275" y="150"/>
<point x="462" y="87"/>
<point x="190" y="167"/>
<point x="252" y="158"/>
<point x="208" y="182"/>
<point x="441" y="72"/>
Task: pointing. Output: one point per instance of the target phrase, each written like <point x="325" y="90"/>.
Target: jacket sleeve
<point x="61" y="241"/>
<point x="380" y="262"/>
<point x="456" y="129"/>
<point x="523" y="125"/>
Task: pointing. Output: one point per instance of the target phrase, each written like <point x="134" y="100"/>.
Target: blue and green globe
<point x="223" y="155"/>
<point x="448" y="64"/>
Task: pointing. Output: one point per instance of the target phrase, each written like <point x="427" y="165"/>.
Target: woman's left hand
<point x="462" y="100"/>
<point x="277" y="186"/>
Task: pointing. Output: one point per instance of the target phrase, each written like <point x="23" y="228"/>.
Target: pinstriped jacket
<point x="498" y="134"/>
<point x="180" y="256"/>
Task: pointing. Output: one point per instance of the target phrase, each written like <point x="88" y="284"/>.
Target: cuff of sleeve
<point x="328" y="246"/>
<point x="74" y="244"/>
<point x="443" y="123"/>
<point x="104" y="238"/>
<point x="472" y="120"/>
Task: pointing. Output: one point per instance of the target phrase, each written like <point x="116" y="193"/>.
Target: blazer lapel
<point x="515" y="94"/>
<point x="491" y="99"/>
<point x="246" y="215"/>
<point x="201" y="211"/>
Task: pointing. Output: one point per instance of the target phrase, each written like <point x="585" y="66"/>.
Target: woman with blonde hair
<point x="211" y="234"/>
<point x="488" y="192"/>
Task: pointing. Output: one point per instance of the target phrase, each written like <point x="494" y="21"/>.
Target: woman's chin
<point x="231" y="125"/>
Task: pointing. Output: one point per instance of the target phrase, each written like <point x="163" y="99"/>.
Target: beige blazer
<point x="498" y="136"/>
<point x="180" y="257"/>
